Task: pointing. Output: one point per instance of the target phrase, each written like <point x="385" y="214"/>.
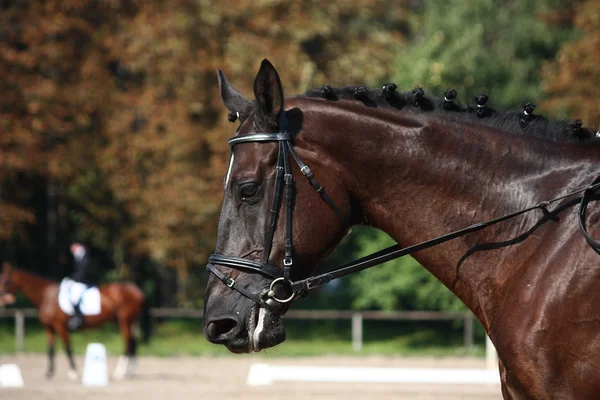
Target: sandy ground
<point x="224" y="378"/>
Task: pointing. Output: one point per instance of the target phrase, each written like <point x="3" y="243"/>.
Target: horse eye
<point x="248" y="191"/>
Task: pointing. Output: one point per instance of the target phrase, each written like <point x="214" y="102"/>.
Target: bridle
<point x="283" y="177"/>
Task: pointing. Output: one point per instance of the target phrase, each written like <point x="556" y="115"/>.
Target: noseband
<point x="283" y="177"/>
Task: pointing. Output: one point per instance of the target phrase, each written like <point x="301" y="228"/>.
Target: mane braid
<point x="509" y="121"/>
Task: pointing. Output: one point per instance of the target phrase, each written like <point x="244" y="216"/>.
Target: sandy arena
<point x="222" y="378"/>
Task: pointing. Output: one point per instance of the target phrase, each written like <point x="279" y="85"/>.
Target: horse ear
<point x="232" y="98"/>
<point x="269" y="93"/>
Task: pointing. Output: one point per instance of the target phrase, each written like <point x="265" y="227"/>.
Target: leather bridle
<point x="283" y="177"/>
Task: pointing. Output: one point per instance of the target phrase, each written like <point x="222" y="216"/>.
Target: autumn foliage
<point x="112" y="130"/>
<point x="572" y="81"/>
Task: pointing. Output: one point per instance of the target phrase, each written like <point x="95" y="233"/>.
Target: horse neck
<point x="417" y="177"/>
<point x="32" y="286"/>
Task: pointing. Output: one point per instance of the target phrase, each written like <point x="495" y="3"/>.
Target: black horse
<point x="416" y="168"/>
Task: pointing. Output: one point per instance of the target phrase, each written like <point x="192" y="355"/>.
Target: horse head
<point x="261" y="245"/>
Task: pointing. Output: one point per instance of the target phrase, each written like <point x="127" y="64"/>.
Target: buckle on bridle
<point x="229" y="283"/>
<point x="309" y="283"/>
<point x="317" y="281"/>
<point x="306" y="171"/>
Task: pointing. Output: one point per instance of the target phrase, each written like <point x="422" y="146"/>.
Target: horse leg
<point x="122" y="368"/>
<point x="64" y="334"/>
<point x="51" y="336"/>
<point x="131" y="352"/>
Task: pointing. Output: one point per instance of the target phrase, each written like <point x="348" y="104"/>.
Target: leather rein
<point x="283" y="177"/>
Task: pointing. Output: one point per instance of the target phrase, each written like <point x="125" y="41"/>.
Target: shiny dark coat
<point x="533" y="282"/>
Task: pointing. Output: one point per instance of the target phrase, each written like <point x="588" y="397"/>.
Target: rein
<point x="396" y="251"/>
<point x="283" y="177"/>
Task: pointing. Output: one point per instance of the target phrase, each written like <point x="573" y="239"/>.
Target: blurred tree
<point x="489" y="46"/>
<point x="167" y="151"/>
<point x="45" y="112"/>
<point x="117" y="109"/>
<point x="572" y="80"/>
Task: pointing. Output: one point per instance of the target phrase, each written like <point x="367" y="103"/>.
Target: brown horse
<point x="414" y="167"/>
<point x="120" y="301"/>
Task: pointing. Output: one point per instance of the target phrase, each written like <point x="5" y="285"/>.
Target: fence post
<point x="19" y="330"/>
<point x="468" y="333"/>
<point x="357" y="334"/>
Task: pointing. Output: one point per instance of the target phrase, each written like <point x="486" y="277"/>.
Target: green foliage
<point x="305" y="338"/>
<point x="400" y="284"/>
<point x="487" y="46"/>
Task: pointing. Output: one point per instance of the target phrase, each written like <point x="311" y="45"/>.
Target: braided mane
<point x="519" y="122"/>
<point x="523" y="122"/>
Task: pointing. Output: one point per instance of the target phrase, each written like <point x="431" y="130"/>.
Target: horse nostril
<point x="219" y="328"/>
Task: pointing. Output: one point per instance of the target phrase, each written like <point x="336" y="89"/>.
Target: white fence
<point x="357" y="318"/>
<point x="261" y="374"/>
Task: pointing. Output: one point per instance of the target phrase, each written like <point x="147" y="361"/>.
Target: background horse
<point x="416" y="168"/>
<point x="120" y="301"/>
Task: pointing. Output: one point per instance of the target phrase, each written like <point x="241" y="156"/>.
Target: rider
<point x="82" y="273"/>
